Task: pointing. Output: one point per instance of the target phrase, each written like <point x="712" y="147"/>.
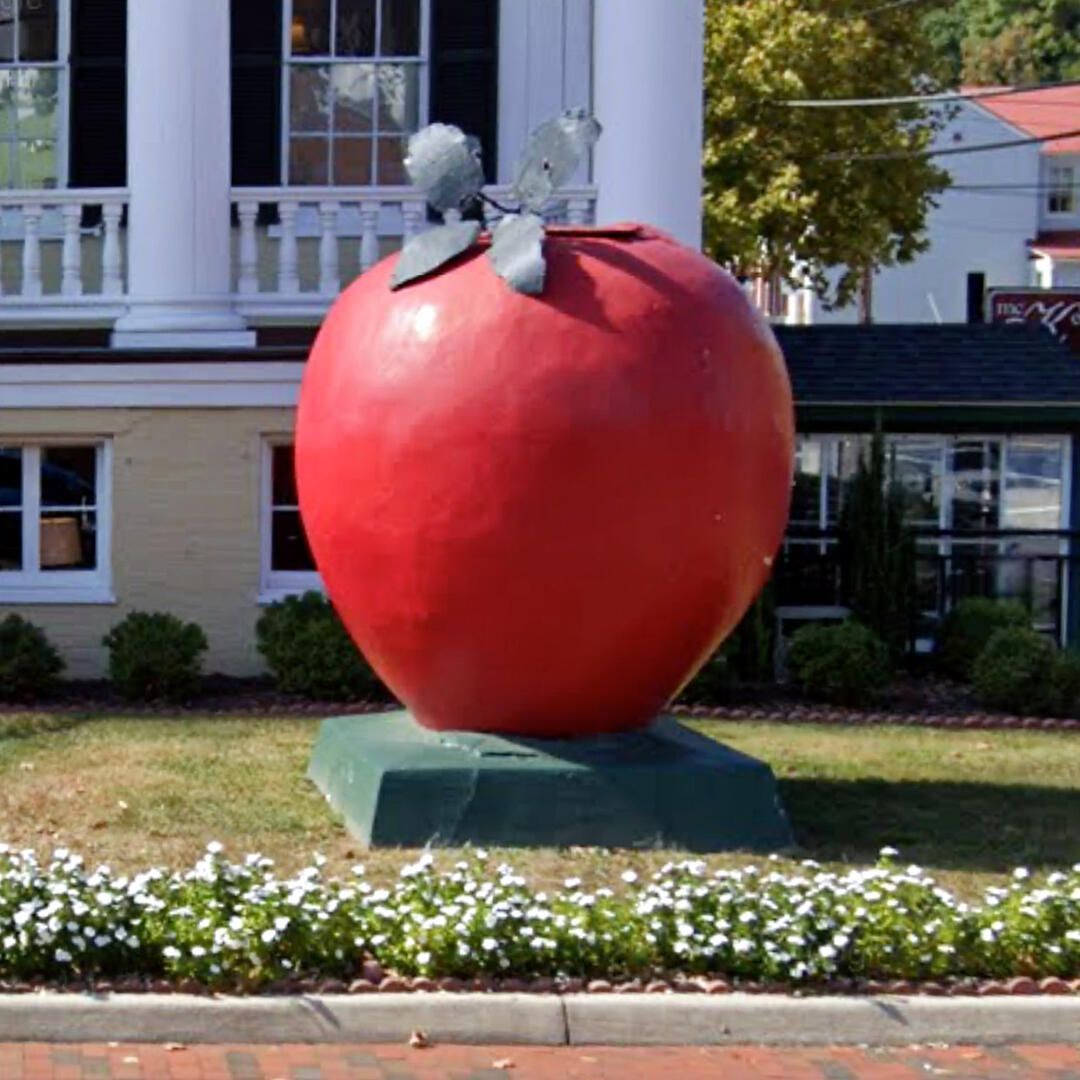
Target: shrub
<point x="712" y="684"/>
<point x="309" y="652"/>
<point x="969" y="626"/>
<point x="155" y="656"/>
<point x="29" y="665"/>
<point x="1065" y="683"/>
<point x="1015" y="671"/>
<point x="845" y="664"/>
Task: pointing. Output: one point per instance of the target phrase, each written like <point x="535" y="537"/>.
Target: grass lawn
<point x="133" y="792"/>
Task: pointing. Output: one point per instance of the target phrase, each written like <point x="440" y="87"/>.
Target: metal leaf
<point x="517" y="252"/>
<point x="445" y="164"/>
<point x="552" y="156"/>
<point x="427" y="251"/>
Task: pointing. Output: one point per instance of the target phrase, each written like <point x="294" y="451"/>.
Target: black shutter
<point x="98" y="116"/>
<point x="256" y="92"/>
<point x="465" y="71"/>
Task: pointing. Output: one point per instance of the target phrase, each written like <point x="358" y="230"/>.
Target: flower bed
<point x="237" y="925"/>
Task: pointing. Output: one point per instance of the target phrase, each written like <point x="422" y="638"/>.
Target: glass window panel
<point x="308" y="160"/>
<point x="36" y="99"/>
<point x="309" y="34"/>
<point x="399" y="98"/>
<point x="400" y="28"/>
<point x="68" y="476"/>
<point x="1033" y="482"/>
<point x="976" y="465"/>
<point x="806" y="486"/>
<point x="354" y="97"/>
<point x="916" y="467"/>
<point x="289" y="547"/>
<point x="352" y="161"/>
<point x="36" y="165"/>
<point x="309" y="98"/>
<point x="10" y="476"/>
<point x="8" y="82"/>
<point x="38" y="22"/>
<point x="8" y="161"/>
<point x="68" y="541"/>
<point x="7" y="30"/>
<point x="284" y="477"/>
<point x="928" y="577"/>
<point x="391" y="164"/>
<point x="844" y="464"/>
<point x="10" y="540"/>
<point x="356" y="27"/>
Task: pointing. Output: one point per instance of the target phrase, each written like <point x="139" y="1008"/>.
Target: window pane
<point x="68" y="541"/>
<point x="36" y="165"/>
<point x="68" y="476"/>
<point x="309" y="98"/>
<point x="354" y="97"/>
<point x="391" y="167"/>
<point x="308" y="161"/>
<point x="37" y="29"/>
<point x="356" y="28"/>
<point x="1033" y="484"/>
<point x="10" y="540"/>
<point x="7" y="30"/>
<point x="806" y="487"/>
<point x="10" y="476"/>
<point x="399" y="93"/>
<point x="36" y="101"/>
<point x="916" y="468"/>
<point x="309" y="34"/>
<point x="400" y="28"/>
<point x="289" y="547"/>
<point x="284" y="477"/>
<point x="352" y="161"/>
<point x="976" y="487"/>
<point x="844" y="465"/>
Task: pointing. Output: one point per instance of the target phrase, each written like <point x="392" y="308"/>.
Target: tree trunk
<point x="866" y="296"/>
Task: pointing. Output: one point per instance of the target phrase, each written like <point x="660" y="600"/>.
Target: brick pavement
<point x="32" y="1061"/>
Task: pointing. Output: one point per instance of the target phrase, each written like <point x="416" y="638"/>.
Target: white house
<point x="1011" y="217"/>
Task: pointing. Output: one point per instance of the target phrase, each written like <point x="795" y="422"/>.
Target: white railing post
<point x="71" y="253"/>
<point x="112" y="270"/>
<point x="247" y="283"/>
<point x="288" y="253"/>
<point x="577" y="210"/>
<point x="413" y="213"/>
<point x="31" y="261"/>
<point x="329" y="273"/>
<point x="369" y="234"/>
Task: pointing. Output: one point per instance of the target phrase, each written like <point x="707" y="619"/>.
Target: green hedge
<point x="29" y="664"/>
<point x="154" y="656"/>
<point x="844" y="664"/>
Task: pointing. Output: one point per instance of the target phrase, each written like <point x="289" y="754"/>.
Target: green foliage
<point x="844" y="664"/>
<point x="154" y="656"/>
<point x="968" y="628"/>
<point x="777" y="204"/>
<point x="1065" y="683"/>
<point x="29" y="665"/>
<point x="309" y="652"/>
<point x="1015" y="671"/>
<point x="877" y="553"/>
<point x="1007" y="42"/>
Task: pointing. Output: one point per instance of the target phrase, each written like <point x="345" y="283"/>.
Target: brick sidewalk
<point x="115" y="1062"/>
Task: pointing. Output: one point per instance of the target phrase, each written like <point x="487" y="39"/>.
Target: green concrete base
<point x="398" y="784"/>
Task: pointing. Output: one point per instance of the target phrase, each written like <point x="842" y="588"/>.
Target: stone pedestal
<point x="398" y="784"/>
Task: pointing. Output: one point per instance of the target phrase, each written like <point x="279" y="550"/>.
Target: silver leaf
<point x="427" y="251"/>
<point x="552" y="156"/>
<point x="445" y="164"/>
<point x="517" y="252"/>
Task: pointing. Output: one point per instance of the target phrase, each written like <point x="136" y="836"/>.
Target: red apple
<point x="541" y="515"/>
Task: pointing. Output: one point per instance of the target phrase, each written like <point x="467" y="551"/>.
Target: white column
<point x="179" y="261"/>
<point x="647" y="93"/>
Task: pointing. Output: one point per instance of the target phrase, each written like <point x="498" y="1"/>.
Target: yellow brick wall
<point x="185" y="525"/>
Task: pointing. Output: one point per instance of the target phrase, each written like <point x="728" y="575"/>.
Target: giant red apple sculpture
<point x="539" y="512"/>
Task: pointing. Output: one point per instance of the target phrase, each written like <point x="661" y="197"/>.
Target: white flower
<point x="827" y="952"/>
<point x="629" y="877"/>
<point x="62" y="956"/>
<point x="267" y="936"/>
<point x="987" y="934"/>
<point x="281" y="922"/>
<point x="215" y="847"/>
<point x="888" y="853"/>
<point x="1021" y="873"/>
<point x="423" y="959"/>
<point x="171" y="952"/>
<point x="197" y="951"/>
<point x="489" y="944"/>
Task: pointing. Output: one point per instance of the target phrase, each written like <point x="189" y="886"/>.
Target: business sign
<point x="1056" y="309"/>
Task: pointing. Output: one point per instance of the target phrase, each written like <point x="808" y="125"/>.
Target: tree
<point x="783" y="196"/>
<point x="1007" y="42"/>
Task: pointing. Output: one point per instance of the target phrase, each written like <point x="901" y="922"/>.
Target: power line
<point x="907" y="155"/>
<point x="879" y="10"/>
<point x="928" y="99"/>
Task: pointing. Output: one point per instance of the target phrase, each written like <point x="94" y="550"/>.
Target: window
<point x="355" y="86"/>
<point x="1061" y="194"/>
<point x="33" y="92"/>
<point x="54" y="523"/>
<point x="287" y="563"/>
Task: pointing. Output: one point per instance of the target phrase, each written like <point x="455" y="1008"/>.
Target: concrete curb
<point x="539" y="1020"/>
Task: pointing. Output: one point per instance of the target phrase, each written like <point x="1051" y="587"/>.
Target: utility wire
<point x="928" y="99"/>
<point x="907" y="155"/>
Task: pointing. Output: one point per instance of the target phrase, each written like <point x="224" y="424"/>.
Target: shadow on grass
<point x="25" y="725"/>
<point x="939" y="824"/>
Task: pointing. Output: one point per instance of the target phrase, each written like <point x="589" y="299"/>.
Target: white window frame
<point x="423" y="62"/>
<point x="62" y="66"/>
<point x="275" y="585"/>
<point x="1061" y="185"/>
<point x="32" y="585"/>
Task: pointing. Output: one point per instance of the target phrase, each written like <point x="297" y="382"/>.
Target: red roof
<point x="1040" y="113"/>
<point x="1064" y="244"/>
